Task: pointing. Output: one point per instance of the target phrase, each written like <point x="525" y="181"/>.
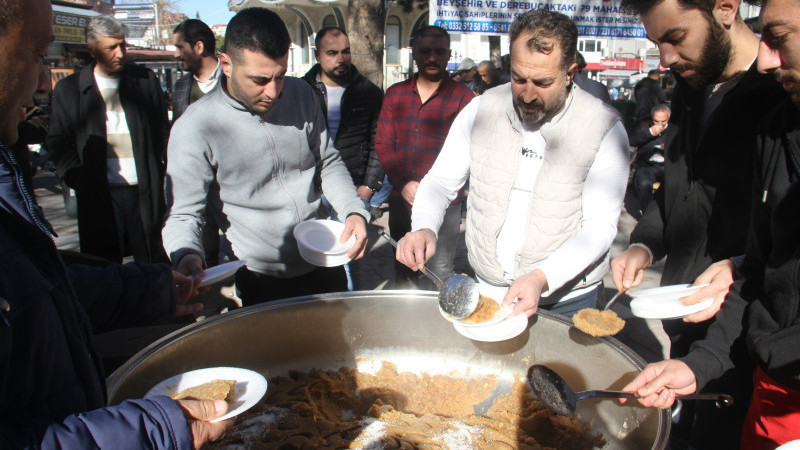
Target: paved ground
<point x="376" y="272"/>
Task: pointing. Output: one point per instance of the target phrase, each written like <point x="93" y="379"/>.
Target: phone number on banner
<point x="627" y="32"/>
<point x="488" y="27"/>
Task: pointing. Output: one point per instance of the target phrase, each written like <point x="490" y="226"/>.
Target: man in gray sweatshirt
<point x="262" y="138"/>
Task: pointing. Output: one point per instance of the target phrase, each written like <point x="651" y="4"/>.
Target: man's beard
<point x="713" y="59"/>
<point x="794" y="94"/>
<point x="340" y="77"/>
<point x="539" y="112"/>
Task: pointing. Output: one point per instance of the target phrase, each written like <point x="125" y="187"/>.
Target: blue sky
<point x="211" y="12"/>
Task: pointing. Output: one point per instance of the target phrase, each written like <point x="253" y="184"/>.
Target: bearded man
<point x="261" y="139"/>
<point x="547" y="165"/>
<point x="351" y="104"/>
<point x="762" y="307"/>
<point x="698" y="219"/>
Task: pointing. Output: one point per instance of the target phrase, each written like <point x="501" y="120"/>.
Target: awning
<point x="76" y="11"/>
<point x="618" y="73"/>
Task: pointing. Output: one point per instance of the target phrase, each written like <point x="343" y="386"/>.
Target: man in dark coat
<point x="49" y="368"/>
<point x="352" y="105"/>
<point x="762" y="308"/>
<point x="650" y="141"/>
<point x="195" y="48"/>
<point x="108" y="136"/>
<point x="648" y="94"/>
<point x="699" y="216"/>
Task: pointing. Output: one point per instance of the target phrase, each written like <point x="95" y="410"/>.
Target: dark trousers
<point x="644" y="178"/>
<point x="447" y="241"/>
<point x="130" y="231"/>
<point x="721" y="428"/>
<point x="569" y="308"/>
<point x="253" y="287"/>
<point x="211" y="240"/>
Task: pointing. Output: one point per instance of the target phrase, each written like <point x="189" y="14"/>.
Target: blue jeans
<point x="350" y="269"/>
<point x="382" y="195"/>
<point x="568" y="308"/>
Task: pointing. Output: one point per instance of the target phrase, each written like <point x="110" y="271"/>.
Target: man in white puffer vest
<point x="547" y="165"/>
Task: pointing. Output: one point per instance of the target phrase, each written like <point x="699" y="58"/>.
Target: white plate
<point x="322" y="237"/>
<point x="220" y="272"/>
<point x="501" y="331"/>
<point x="250" y="386"/>
<point x="497" y="293"/>
<point x="648" y="308"/>
<point x="674" y="291"/>
<point x="500" y="316"/>
<point x="322" y="260"/>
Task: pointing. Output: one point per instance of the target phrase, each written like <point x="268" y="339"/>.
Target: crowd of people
<point x="251" y="152"/>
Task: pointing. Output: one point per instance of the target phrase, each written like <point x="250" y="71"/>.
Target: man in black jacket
<point x="699" y="216"/>
<point x="352" y="105"/>
<point x="195" y="48"/>
<point x="650" y="141"/>
<point x="108" y="135"/>
<point x="762" y="309"/>
<point x="648" y="94"/>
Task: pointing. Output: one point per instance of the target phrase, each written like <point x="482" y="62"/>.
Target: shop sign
<point x="69" y="27"/>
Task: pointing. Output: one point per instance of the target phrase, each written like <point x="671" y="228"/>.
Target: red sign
<point x="617" y="63"/>
<point x="623" y="63"/>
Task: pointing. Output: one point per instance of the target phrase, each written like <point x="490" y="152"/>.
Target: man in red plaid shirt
<point x="415" y="118"/>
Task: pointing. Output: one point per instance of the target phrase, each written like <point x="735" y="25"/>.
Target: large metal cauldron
<point x="404" y="327"/>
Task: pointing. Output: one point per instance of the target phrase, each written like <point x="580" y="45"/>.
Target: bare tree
<point x="169" y="16"/>
<point x="366" y="21"/>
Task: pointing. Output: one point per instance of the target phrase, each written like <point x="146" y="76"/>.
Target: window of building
<point x="392" y="40"/>
<point x="305" y="50"/>
<point x="589" y="45"/>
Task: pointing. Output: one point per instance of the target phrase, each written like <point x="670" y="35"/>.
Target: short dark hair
<point x="653" y="72"/>
<point x="545" y="27"/>
<point x="258" y="30"/>
<point x="429" y="30"/>
<point x="193" y="30"/>
<point x="580" y="60"/>
<point x="9" y="13"/>
<point x="643" y="6"/>
<point x="334" y="31"/>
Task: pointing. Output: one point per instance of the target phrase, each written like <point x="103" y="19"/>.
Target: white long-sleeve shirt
<point x="602" y="197"/>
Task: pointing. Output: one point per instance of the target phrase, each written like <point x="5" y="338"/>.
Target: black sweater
<point x="766" y="301"/>
<point x="700" y="213"/>
<point x="355" y="140"/>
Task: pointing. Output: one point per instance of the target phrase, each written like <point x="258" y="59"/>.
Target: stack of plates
<point x="318" y="242"/>
<point x="665" y="302"/>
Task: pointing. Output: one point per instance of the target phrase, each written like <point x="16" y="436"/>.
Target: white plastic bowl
<point x="665" y="302"/>
<point x="318" y="242"/>
<point x="496" y="293"/>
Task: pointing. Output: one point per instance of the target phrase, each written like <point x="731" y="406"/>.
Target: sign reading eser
<point x="598" y="18"/>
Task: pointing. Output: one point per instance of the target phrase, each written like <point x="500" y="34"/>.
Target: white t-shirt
<point x="207" y="85"/>
<point x="603" y="192"/>
<point x="120" y="166"/>
<point x="334" y="94"/>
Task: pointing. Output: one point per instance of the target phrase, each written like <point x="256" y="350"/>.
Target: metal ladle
<point x="458" y="295"/>
<point x="557" y="396"/>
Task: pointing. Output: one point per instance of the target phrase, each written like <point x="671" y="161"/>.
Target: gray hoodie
<point x="269" y="169"/>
